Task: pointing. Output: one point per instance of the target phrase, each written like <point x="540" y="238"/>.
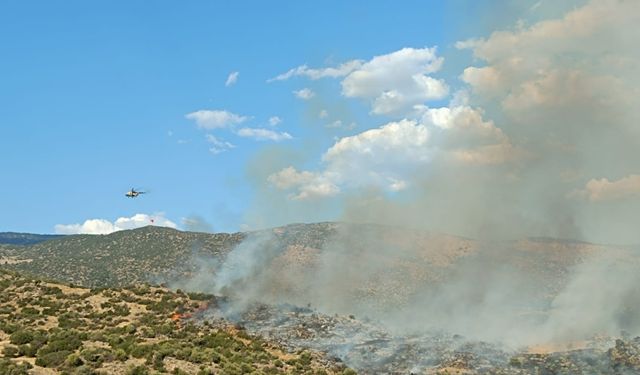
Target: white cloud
<point x="323" y="114"/>
<point x="339" y="124"/>
<point x="264" y="134"/>
<point x="387" y="157"/>
<point x="397" y="81"/>
<point x="377" y="157"/>
<point x="468" y="44"/>
<point x="604" y="190"/>
<point x="274" y="120"/>
<point x="395" y="142"/>
<point x="213" y="119"/>
<point x="304" y="94"/>
<point x="465" y="126"/>
<point x="392" y="83"/>
<point x="218" y="145"/>
<point x="462" y="135"/>
<point x="102" y="226"/>
<point x="303" y="70"/>
<point x="232" y="79"/>
<point x="308" y="184"/>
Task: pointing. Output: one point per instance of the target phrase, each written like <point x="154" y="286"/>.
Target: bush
<point x="74" y="360"/>
<point x="121" y="355"/>
<point x="96" y="357"/>
<point x="138" y="370"/>
<point x="21" y="337"/>
<point x="53" y="359"/>
<point x="204" y="371"/>
<point x="11" y="351"/>
<point x="28" y="350"/>
<point x="9" y="367"/>
<point x="29" y="311"/>
<point x="63" y="341"/>
<point x="9" y="328"/>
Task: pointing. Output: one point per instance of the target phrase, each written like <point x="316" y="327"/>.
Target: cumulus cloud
<point x="218" y="145"/>
<point x="103" y="226"/>
<point x="304" y="94"/>
<point x="461" y="134"/>
<point x="232" y="79"/>
<point x="604" y="190"/>
<point x="261" y="134"/>
<point x="392" y="83"/>
<point x="274" y="120"/>
<point x="303" y="70"/>
<point x="214" y="119"/>
<point x="307" y="184"/>
<point x="377" y="157"/>
<point x="468" y="44"/>
<point x="387" y="157"/>
<point x="397" y="81"/>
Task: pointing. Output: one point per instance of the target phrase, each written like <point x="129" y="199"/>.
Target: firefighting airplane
<point x="133" y="193"/>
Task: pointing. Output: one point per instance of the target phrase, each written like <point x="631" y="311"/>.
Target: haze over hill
<point x="394" y="274"/>
<point x="14" y="238"/>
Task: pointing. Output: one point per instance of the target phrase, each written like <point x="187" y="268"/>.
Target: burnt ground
<point x="371" y="349"/>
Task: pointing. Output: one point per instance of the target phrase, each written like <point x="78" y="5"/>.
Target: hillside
<point x="48" y="328"/>
<point x="140" y="255"/>
<point x="390" y="263"/>
<point x="381" y="299"/>
<point x="118" y="259"/>
<point x="13" y="238"/>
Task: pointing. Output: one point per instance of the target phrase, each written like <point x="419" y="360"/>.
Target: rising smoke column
<point x="541" y="141"/>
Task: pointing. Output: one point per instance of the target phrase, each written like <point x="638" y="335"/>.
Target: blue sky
<point x="96" y="99"/>
<point x="90" y="93"/>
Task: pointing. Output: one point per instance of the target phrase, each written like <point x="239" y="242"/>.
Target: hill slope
<point x="13" y="238"/>
<point x="53" y="328"/>
<point x="131" y="256"/>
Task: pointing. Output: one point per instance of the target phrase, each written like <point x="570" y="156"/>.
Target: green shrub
<point x="28" y="350"/>
<point x="9" y="328"/>
<point x="74" y="360"/>
<point x="63" y="341"/>
<point x="53" y="359"/>
<point x="11" y="351"/>
<point x="138" y="370"/>
<point x="8" y="367"/>
<point x="121" y="355"/>
<point x="140" y="351"/>
<point x="205" y="371"/>
<point x="97" y="356"/>
<point x="69" y="320"/>
<point x="21" y="337"/>
<point x="29" y="311"/>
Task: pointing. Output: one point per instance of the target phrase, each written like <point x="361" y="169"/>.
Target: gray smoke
<point x="560" y="160"/>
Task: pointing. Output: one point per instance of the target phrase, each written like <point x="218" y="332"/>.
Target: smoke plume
<point x="539" y="142"/>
